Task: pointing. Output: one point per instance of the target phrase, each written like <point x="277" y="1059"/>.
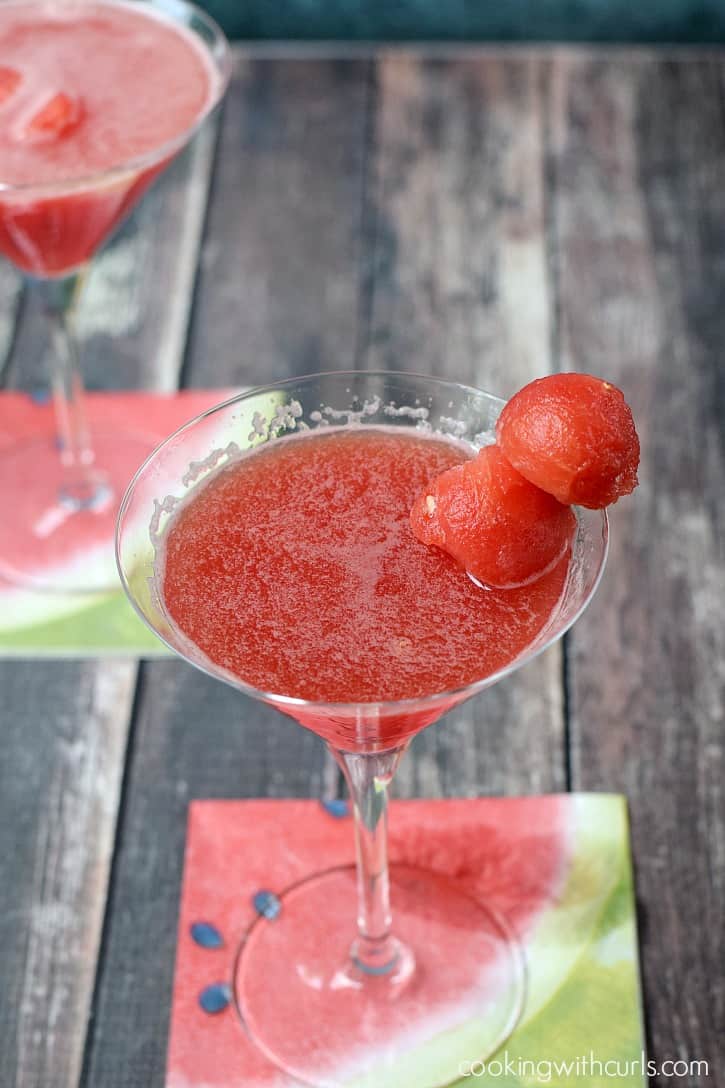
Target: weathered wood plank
<point x="64" y="741"/>
<point x="278" y="286"/>
<point x="638" y="162"/>
<point x="277" y="294"/>
<point x="11" y="293"/>
<point x="65" y="725"/>
<point x="457" y="286"/>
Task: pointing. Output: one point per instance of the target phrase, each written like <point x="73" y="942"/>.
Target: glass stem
<point x="375" y="951"/>
<point x="83" y="487"/>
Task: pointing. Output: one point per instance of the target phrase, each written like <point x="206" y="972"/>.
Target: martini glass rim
<point x="166" y="11"/>
<point x="382" y="707"/>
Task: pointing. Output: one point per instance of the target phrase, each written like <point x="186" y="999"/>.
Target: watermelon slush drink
<point x="95" y="97"/>
<point x="295" y="568"/>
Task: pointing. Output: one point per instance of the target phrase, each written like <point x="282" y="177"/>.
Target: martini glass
<point x="332" y="990"/>
<point x="64" y="494"/>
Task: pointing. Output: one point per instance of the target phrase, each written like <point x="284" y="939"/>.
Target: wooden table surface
<point x="483" y="215"/>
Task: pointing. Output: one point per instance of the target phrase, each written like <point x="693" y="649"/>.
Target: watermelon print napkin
<point x="36" y="624"/>
<point x="557" y="867"/>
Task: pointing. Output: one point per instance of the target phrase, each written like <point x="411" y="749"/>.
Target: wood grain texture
<point x="11" y="294"/>
<point x="64" y="740"/>
<point x="638" y="157"/>
<point x="278" y="286"/>
<point x="456" y="285"/>
<point x="458" y="262"/>
<point x="65" y="725"/>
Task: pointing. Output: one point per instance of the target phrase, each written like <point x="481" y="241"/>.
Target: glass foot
<point x="55" y="541"/>
<point x="452" y="998"/>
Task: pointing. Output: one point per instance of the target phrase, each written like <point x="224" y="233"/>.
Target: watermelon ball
<point x="57" y="117"/>
<point x="572" y="435"/>
<point x="10" y="80"/>
<point x="499" y="527"/>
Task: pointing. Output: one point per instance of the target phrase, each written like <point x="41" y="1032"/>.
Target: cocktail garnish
<point x="10" y="80"/>
<point x="503" y="516"/>
<point x="574" y="436"/>
<point x="55" y="118"/>
<point x="502" y="529"/>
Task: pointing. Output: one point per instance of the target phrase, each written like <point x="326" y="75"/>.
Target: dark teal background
<point x="474" y="20"/>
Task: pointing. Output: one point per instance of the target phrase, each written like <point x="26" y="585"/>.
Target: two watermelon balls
<point x="505" y="516"/>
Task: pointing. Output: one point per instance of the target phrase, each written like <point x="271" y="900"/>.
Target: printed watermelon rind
<point x="584" y="992"/>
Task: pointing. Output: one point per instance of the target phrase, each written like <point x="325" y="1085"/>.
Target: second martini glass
<point x="333" y="1000"/>
<point x="66" y="500"/>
